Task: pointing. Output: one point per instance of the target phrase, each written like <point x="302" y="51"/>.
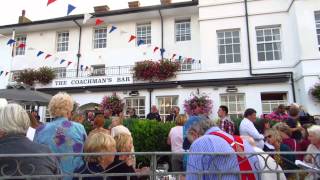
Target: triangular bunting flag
<point x="81" y="67"/>
<point x="1" y="72"/>
<point x="99" y="22"/>
<point x="86" y="17"/>
<point x="11" y="41"/>
<point x="132" y="37"/>
<point x="180" y="58"/>
<point x="6" y="73"/>
<point x="140" y="42"/>
<point x="47" y="56"/>
<point x="62" y="61"/>
<point x="87" y="68"/>
<point x="173" y="56"/>
<point x="112" y="29"/>
<point x="69" y="63"/>
<point x="199" y="61"/>
<point x="70" y="9"/>
<point x="21" y="45"/>
<point x="39" y="53"/>
<point x="50" y="1"/>
<point x="155" y="49"/>
<point x="193" y="60"/>
<point x="162" y="51"/>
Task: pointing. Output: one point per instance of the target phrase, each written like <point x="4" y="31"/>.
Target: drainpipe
<point x="250" y="60"/>
<point x="79" y="47"/>
<point x="150" y="100"/>
<point x="161" y="17"/>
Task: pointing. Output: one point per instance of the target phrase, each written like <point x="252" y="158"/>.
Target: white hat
<point x="3" y="102"/>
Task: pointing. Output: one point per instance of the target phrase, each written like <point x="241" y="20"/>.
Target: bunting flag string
<point x="86" y="17"/>
<point x="99" y="22"/>
<point x="62" y="61"/>
<point x="47" y="56"/>
<point x="132" y="37"/>
<point x="21" y="45"/>
<point x="140" y="42"/>
<point x="50" y="1"/>
<point x="10" y="42"/>
<point x="70" y="9"/>
<point x="39" y="53"/>
<point x="112" y="29"/>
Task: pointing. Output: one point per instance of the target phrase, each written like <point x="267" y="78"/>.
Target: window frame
<point x="137" y="108"/>
<point x="147" y="37"/>
<point x="63" y="46"/>
<point x="234" y="113"/>
<point x="164" y="115"/>
<point x="265" y="43"/>
<point x="225" y="44"/>
<point x="273" y="103"/>
<point x="20" y="51"/>
<point x="98" y="70"/>
<point x="187" y="33"/>
<point x="317" y="23"/>
<point x="61" y="72"/>
<point x="96" y="38"/>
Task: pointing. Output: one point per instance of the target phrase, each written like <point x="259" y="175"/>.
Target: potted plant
<point x="167" y="69"/>
<point x="27" y="76"/>
<point x="315" y="92"/>
<point x="198" y="104"/>
<point x="145" y="70"/>
<point x="112" y="103"/>
<point x="45" y="75"/>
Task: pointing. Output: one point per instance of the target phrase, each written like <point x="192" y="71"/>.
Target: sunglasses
<point x="269" y="136"/>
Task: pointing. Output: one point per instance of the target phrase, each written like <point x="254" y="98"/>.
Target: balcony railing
<point x="118" y="70"/>
<point x="157" y="166"/>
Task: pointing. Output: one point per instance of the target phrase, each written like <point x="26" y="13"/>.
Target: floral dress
<point x="63" y="136"/>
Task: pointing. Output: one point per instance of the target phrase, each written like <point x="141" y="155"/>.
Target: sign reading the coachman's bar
<point x="92" y="81"/>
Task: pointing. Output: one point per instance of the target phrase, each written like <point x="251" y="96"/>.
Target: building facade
<point x="255" y="53"/>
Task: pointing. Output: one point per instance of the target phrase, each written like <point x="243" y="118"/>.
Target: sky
<point x="38" y="9"/>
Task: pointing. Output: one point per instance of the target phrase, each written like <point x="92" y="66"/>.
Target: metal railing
<point x="11" y="166"/>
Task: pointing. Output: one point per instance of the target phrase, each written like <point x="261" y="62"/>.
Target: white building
<point x="256" y="54"/>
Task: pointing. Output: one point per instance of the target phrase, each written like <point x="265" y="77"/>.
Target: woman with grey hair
<point x="313" y="150"/>
<point x="62" y="135"/>
<point x="14" y="123"/>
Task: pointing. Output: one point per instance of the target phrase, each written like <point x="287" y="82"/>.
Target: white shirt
<point x="267" y="163"/>
<point x="247" y="129"/>
<point x="176" y="138"/>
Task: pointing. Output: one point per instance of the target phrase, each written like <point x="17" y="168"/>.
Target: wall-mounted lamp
<point x="134" y="93"/>
<point x="232" y="89"/>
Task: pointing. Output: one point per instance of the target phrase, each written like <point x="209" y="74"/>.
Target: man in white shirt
<point x="247" y="127"/>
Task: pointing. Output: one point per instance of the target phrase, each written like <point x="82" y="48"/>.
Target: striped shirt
<point x="216" y="163"/>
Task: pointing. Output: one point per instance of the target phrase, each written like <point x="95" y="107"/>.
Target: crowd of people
<point x="290" y="131"/>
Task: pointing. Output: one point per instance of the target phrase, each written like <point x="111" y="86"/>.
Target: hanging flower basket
<point x="29" y="76"/>
<point x="198" y="105"/>
<point x="155" y="70"/>
<point x="315" y="92"/>
<point x="45" y="75"/>
<point x="113" y="104"/>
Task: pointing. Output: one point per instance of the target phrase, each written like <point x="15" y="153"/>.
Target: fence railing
<point x="24" y="166"/>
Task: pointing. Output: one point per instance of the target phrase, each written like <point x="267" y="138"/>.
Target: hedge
<point x="148" y="135"/>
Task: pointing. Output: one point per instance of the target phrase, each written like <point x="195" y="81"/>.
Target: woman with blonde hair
<point x="62" y="135"/>
<point x="287" y="162"/>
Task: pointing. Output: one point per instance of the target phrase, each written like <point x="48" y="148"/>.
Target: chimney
<point x="23" y="18"/>
<point x="165" y="2"/>
<point x="134" y="4"/>
<point x="101" y="9"/>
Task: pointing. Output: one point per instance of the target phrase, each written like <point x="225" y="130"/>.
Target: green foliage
<point x="45" y="75"/>
<point x="315" y="91"/>
<point x="148" y="135"/>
